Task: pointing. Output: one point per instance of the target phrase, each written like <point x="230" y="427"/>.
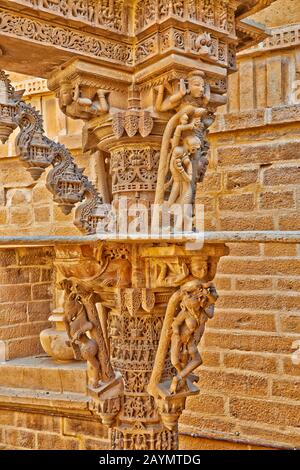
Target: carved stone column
<point x="136" y="306"/>
<point x="153" y="295"/>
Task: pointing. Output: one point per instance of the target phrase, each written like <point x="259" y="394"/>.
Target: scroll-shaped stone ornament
<point x="82" y="101"/>
<point x="92" y="211"/>
<point x="32" y="145"/>
<point x="65" y="180"/>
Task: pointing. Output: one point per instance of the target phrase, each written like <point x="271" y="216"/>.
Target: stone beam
<point x="32" y="28"/>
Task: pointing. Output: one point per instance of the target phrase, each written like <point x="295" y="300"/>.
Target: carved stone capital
<point x="137" y="314"/>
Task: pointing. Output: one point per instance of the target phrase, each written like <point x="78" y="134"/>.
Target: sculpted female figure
<point x="190" y="98"/>
<point x="188" y="310"/>
<point x="78" y="327"/>
<point x="181" y="166"/>
<point x="187" y="331"/>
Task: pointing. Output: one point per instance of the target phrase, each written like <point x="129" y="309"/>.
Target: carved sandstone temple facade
<point x="138" y="85"/>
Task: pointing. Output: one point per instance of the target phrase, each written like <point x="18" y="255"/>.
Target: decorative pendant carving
<point x="9" y="98"/>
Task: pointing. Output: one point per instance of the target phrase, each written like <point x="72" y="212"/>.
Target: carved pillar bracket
<point x="137" y="314"/>
<point x="65" y="180"/>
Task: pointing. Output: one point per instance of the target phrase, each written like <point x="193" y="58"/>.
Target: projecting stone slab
<point x="42" y="373"/>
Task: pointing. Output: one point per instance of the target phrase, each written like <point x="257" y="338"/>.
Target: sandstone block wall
<point x="28" y="430"/>
<point x="250" y="385"/>
<point x="26" y="295"/>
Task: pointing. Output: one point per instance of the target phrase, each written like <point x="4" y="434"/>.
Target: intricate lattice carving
<point x="134" y="169"/>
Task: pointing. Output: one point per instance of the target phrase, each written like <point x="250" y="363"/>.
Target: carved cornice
<point x="96" y="14"/>
<point x="82" y="43"/>
<point x="166" y="33"/>
<point x="135" y="16"/>
<point x="280" y="38"/>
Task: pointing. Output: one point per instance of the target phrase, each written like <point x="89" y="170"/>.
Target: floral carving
<point x="63" y="37"/>
<point x="134" y="169"/>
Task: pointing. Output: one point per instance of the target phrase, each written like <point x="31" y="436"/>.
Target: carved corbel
<point x="82" y="101"/>
<point x="65" y="180"/>
<point x="88" y="338"/>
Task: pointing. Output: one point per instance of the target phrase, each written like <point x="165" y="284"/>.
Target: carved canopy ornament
<point x="8" y="106"/>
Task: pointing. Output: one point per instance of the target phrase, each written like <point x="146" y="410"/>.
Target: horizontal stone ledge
<point x="254" y="118"/>
<point x="207" y="237"/>
<point x="36" y="400"/>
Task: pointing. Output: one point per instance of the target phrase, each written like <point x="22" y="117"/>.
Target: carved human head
<point x="199" y="268"/>
<point x="200" y="296"/>
<point x="196" y="84"/>
<point x="66" y="94"/>
<point x="192" y="144"/>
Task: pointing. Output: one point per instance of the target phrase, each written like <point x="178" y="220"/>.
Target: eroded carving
<point x="82" y="102"/>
